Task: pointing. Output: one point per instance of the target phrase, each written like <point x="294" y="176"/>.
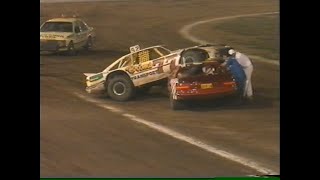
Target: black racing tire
<point x="176" y="104"/>
<point x="120" y="88"/>
<point x="71" y="49"/>
<point x="89" y="44"/>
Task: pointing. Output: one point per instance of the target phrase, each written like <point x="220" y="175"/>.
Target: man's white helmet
<point x="231" y="51"/>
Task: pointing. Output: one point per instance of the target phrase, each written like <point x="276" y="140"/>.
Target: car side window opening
<point x="83" y="26"/>
<point x="116" y="66"/>
<point x="162" y="51"/>
<point x="126" y="61"/>
<point x="77" y="29"/>
<point x="154" y="54"/>
<point x="134" y="58"/>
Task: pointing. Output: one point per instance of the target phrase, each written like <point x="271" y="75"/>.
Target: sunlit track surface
<point x="79" y="138"/>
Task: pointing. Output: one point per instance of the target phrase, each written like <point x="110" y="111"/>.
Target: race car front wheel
<point x="120" y="88"/>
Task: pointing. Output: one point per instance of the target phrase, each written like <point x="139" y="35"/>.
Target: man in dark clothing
<point x="237" y="72"/>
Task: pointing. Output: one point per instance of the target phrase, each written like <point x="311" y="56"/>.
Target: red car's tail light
<point x="229" y="83"/>
<point x="182" y="87"/>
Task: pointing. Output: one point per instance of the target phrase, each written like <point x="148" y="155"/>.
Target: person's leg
<point x="239" y="85"/>
<point x="238" y="80"/>
<point x="248" y="85"/>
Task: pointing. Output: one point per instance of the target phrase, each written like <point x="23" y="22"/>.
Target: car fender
<point x="113" y="73"/>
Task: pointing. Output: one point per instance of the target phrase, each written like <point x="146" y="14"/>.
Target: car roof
<point x="63" y="20"/>
<point x="148" y="48"/>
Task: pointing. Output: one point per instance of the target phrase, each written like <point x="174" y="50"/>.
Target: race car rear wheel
<point x="120" y="88"/>
<point x="176" y="104"/>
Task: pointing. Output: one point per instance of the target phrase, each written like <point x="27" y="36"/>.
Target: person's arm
<point x="226" y="62"/>
<point x="229" y="62"/>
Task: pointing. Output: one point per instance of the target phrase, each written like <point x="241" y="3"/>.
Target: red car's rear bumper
<point x="200" y="94"/>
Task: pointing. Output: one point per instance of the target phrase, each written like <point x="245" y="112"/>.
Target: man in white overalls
<point x="247" y="66"/>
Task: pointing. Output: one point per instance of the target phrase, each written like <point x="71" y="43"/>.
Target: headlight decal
<point x="96" y="77"/>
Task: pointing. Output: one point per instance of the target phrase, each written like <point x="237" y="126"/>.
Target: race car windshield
<point x="57" y="27"/>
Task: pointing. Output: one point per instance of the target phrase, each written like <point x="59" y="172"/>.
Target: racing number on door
<point x="159" y="65"/>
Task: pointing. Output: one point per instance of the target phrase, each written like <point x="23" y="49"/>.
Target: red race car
<point x="199" y="77"/>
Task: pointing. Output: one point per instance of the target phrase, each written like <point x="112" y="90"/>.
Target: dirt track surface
<point x="80" y="139"/>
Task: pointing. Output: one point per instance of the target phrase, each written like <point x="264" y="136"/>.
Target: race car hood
<point x="54" y="35"/>
<point x="93" y="76"/>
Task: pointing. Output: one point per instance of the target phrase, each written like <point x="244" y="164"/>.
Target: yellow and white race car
<point x="66" y="34"/>
<point x="140" y="70"/>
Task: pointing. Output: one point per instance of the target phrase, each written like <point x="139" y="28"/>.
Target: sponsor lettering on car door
<point x="147" y="67"/>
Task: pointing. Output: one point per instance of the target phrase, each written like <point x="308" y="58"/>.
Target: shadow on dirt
<point x="158" y="94"/>
<point x="104" y="53"/>
<point x="231" y="103"/>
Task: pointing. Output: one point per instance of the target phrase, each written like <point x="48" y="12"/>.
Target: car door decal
<point x="152" y="68"/>
<point x="159" y="66"/>
<point x="139" y="68"/>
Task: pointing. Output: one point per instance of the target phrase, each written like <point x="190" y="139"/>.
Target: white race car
<point x="65" y="34"/>
<point x="140" y="69"/>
